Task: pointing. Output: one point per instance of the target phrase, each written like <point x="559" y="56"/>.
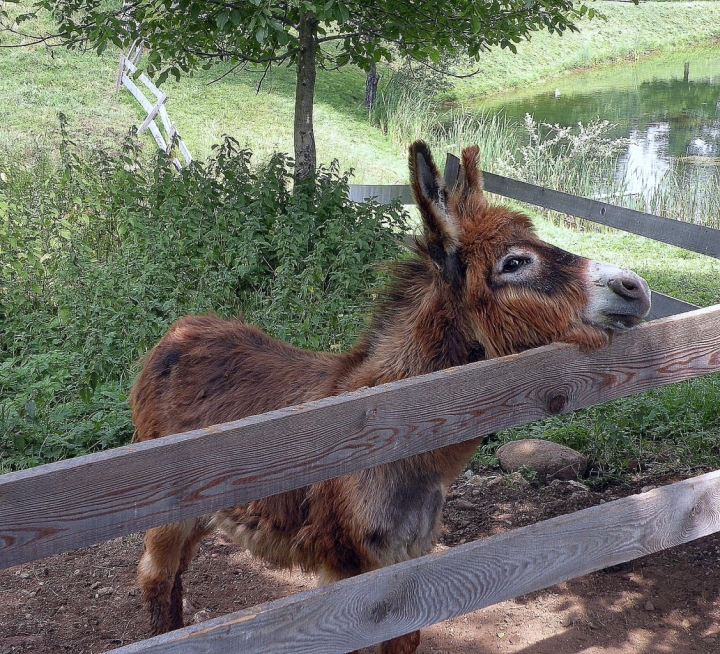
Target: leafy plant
<point x="106" y="249"/>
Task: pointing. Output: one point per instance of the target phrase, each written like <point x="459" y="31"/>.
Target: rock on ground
<point x="548" y="459"/>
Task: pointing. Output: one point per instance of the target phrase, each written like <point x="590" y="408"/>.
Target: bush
<point x="100" y="252"/>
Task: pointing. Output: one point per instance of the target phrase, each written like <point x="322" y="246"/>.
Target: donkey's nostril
<point x="618" y="296"/>
<point x="629" y="285"/>
<point x="626" y="288"/>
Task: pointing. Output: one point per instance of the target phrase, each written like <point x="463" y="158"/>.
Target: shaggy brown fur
<point x="481" y="285"/>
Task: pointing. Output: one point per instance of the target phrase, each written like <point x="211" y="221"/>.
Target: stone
<point x="481" y="480"/>
<point x="548" y="459"/>
<point x="201" y="616"/>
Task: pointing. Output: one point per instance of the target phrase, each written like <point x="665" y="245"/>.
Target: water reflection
<point x="670" y="114"/>
<point x="646" y="161"/>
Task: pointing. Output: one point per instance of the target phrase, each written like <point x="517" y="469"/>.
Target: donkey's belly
<point x="343" y="526"/>
<point x="268" y="527"/>
<point x="412" y="530"/>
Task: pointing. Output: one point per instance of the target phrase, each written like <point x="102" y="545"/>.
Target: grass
<point x="675" y="428"/>
<point x="631" y="31"/>
<point x="38" y="83"/>
<point x="670" y="270"/>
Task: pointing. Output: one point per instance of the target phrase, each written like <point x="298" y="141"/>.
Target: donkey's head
<point x="516" y="291"/>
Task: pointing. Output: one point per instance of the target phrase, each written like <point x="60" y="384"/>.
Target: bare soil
<point x="86" y="601"/>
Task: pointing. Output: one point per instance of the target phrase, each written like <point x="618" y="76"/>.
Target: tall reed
<point x="689" y="196"/>
<point x="405" y="113"/>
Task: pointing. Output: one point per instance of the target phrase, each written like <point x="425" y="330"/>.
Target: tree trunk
<point x="371" y="84"/>
<point x="305" y="156"/>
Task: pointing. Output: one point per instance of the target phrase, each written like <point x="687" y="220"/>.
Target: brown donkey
<point x="481" y="285"/>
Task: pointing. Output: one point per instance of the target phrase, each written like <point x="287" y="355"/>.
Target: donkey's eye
<point x="513" y="264"/>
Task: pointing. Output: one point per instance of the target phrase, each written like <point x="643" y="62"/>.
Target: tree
<point x="183" y="35"/>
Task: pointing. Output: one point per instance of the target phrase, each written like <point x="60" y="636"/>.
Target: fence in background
<point x="171" y="138"/>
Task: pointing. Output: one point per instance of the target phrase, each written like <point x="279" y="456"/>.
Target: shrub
<point x="100" y="252"/>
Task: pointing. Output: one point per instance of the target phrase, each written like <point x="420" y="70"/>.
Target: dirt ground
<point x="86" y="601"/>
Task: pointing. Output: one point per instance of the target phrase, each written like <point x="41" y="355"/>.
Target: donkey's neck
<point x="416" y="330"/>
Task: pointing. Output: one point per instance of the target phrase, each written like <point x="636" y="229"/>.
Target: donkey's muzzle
<point x="618" y="298"/>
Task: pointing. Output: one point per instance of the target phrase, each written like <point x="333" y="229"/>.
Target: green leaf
<point x="222" y="19"/>
<point x="30" y="410"/>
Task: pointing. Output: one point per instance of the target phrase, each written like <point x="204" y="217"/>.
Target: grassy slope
<point x="34" y="85"/>
<point x="630" y="31"/>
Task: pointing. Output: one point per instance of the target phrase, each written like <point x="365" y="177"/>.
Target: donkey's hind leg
<point x="168" y="552"/>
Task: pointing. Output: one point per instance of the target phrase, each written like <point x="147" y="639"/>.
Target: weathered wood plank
<point x="121" y="72"/>
<point x="384" y="194"/>
<point x="145" y="103"/>
<point x="145" y="80"/>
<point x="389" y="602"/>
<point x="452" y="170"/>
<point x="696" y="238"/>
<point x="665" y="305"/>
<point x="90" y="499"/>
<point x="151" y="115"/>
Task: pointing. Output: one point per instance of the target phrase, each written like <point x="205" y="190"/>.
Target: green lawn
<point x="36" y="83"/>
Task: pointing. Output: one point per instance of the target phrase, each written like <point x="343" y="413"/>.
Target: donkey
<point x="480" y="284"/>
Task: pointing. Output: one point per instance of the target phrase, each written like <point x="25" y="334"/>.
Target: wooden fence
<point x="171" y="138"/>
<point x="90" y="499"/>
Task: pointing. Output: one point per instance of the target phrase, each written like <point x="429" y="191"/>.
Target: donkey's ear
<point x="442" y="231"/>
<point x="470" y="180"/>
<point x="441" y="228"/>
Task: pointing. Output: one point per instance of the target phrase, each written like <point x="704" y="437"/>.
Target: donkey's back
<point x="206" y="371"/>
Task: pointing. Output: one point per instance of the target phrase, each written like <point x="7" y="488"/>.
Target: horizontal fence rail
<point x="392" y="601"/>
<point x="69" y="504"/>
<point x="703" y="240"/>
<point x="664" y="305"/>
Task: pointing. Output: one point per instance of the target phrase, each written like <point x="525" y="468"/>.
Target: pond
<point x="667" y="106"/>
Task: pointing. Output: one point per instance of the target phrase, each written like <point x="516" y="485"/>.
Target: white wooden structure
<point x="171" y="137"/>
